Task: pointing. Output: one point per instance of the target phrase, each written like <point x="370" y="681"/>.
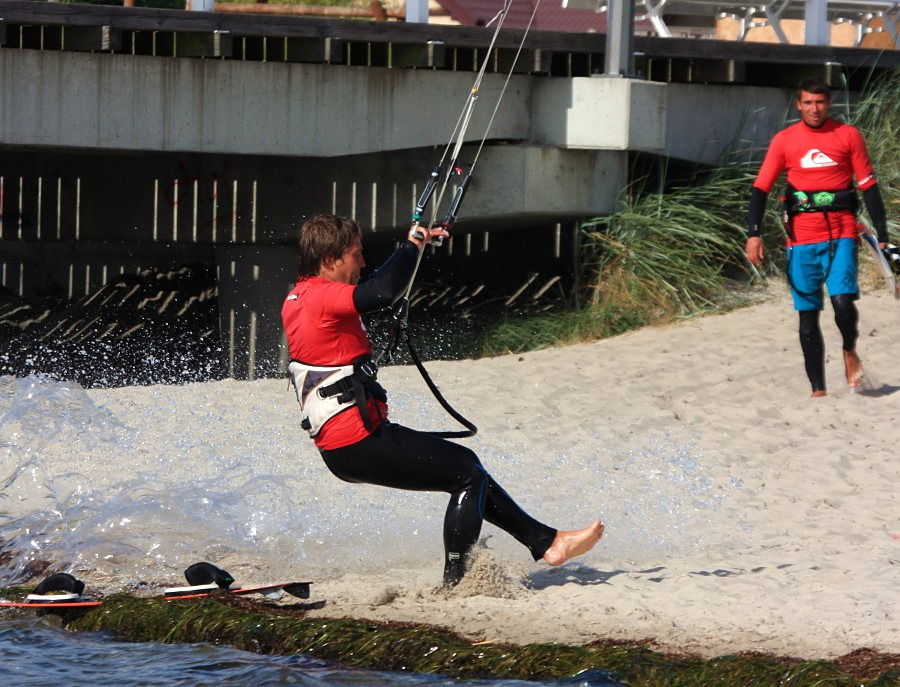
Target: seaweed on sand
<point x="275" y="629"/>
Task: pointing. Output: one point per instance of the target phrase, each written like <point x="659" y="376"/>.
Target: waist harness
<point x="819" y="201"/>
<point x="325" y="391"/>
<point x="796" y="202"/>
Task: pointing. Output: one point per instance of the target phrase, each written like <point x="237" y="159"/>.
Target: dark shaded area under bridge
<point x="161" y="326"/>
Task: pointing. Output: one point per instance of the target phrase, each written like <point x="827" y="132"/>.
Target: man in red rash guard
<point x="822" y="158"/>
<point x="345" y="410"/>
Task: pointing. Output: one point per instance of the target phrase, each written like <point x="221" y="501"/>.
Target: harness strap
<point x="801" y="199"/>
<point x="346" y="388"/>
<point x="796" y="201"/>
<point x="356" y="384"/>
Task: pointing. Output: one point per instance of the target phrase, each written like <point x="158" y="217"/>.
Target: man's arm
<point x="388" y="282"/>
<point x="758" y="199"/>
<point x="754" y="247"/>
<point x="875" y="208"/>
<point x="391" y="279"/>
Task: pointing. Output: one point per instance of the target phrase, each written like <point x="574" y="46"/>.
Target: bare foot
<point x="818" y="393"/>
<point x="570" y="543"/>
<point x="853" y="368"/>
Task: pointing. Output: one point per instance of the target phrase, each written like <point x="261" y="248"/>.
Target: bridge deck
<point x="166" y="33"/>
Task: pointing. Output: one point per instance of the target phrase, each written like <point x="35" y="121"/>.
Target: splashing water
<point x="136" y="484"/>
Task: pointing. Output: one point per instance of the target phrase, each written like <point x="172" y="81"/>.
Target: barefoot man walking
<point x="823" y="158"/>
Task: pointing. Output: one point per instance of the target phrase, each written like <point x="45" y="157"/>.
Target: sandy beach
<point x="741" y="514"/>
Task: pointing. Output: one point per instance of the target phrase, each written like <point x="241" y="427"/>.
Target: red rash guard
<point x="823" y="159"/>
<point x="324" y="328"/>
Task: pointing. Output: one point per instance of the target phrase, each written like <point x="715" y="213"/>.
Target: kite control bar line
<point x="438" y="181"/>
<point x="447" y="167"/>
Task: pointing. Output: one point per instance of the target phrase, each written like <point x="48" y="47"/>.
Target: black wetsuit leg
<point x="813" y="348"/>
<point x="402" y="458"/>
<point x="846" y="317"/>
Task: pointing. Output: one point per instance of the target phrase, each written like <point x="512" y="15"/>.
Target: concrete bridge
<point x="136" y="138"/>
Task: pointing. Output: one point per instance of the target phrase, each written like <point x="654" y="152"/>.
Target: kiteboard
<point x="887" y="272"/>
<point x="64" y="591"/>
<point x="51" y="601"/>
<point x="271" y="591"/>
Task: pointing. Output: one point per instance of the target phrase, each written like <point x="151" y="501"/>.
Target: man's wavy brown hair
<point x="322" y="237"/>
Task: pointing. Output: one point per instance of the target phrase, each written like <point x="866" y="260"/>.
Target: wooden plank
<point x="146" y="19"/>
<point x="765" y="52"/>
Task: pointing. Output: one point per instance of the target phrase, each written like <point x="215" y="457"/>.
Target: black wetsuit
<point x="403" y="458"/>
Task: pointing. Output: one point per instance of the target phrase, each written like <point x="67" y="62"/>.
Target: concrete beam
<point x="123" y="102"/>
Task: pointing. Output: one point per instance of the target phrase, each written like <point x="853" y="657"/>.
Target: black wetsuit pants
<point x="403" y="458"/>
<point x="846" y="317"/>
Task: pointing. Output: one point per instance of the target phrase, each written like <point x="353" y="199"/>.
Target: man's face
<point x="348" y="267"/>
<point x="813" y="108"/>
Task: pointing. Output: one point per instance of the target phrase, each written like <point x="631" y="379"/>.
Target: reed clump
<point x="270" y="629"/>
<point x="878" y="118"/>
<point x="671" y="252"/>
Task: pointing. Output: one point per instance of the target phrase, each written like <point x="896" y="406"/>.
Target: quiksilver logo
<point x="816" y="158"/>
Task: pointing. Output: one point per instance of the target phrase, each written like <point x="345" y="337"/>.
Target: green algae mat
<point x="277" y="629"/>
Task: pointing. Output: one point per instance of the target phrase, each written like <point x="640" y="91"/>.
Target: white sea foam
<point x="138" y="483"/>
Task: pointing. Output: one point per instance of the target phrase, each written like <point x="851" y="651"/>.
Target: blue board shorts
<point x="832" y="263"/>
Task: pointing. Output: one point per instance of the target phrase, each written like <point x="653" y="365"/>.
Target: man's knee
<point x="465" y="465"/>
<point x="846" y="318"/>
<point x="844" y="304"/>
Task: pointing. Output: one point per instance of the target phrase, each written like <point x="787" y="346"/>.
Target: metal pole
<point x="620" y="38"/>
<point x="416" y="11"/>
<point x="199" y="5"/>
<point x="818" y="29"/>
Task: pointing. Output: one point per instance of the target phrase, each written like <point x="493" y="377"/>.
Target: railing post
<point x="619" y="60"/>
<point x="416" y="11"/>
<point x="199" y="5"/>
<point x="818" y="28"/>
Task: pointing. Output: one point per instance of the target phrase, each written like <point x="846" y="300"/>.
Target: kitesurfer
<point x="345" y="410"/>
<point x="822" y="157"/>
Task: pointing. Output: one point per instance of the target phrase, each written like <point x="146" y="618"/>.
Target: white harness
<point x="323" y="392"/>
